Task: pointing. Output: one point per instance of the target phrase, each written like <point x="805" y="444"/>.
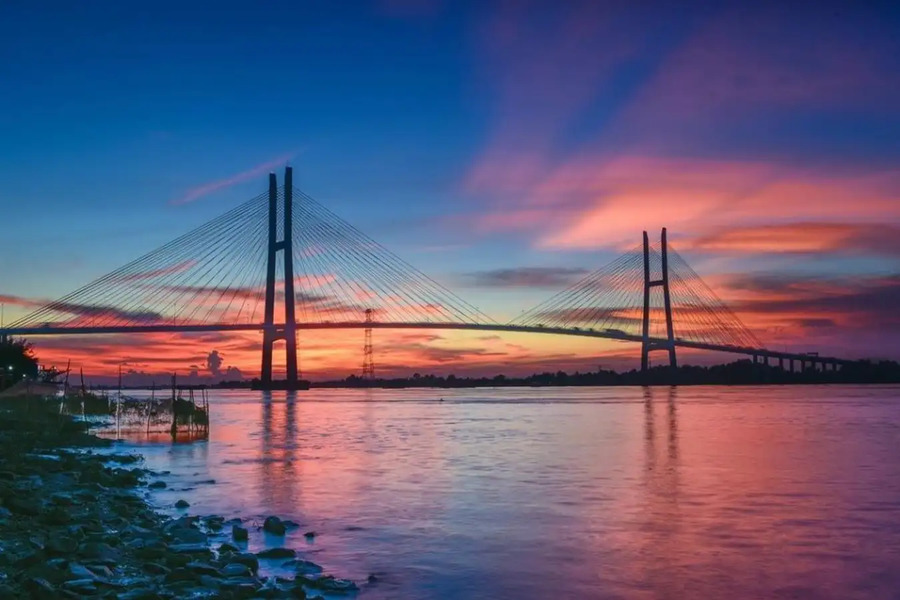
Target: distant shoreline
<point x="742" y="372"/>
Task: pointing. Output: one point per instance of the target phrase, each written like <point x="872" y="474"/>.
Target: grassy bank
<point x="72" y="525"/>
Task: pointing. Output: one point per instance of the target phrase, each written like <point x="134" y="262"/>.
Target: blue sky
<point x="467" y="136"/>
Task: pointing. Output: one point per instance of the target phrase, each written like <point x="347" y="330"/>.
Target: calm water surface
<point x="694" y="492"/>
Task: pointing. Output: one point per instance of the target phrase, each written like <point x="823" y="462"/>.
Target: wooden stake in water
<point x="174" y="410"/>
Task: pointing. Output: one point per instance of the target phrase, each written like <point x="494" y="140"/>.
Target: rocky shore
<point x="74" y="525"/>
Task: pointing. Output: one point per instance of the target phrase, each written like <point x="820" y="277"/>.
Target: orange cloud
<point x="863" y="238"/>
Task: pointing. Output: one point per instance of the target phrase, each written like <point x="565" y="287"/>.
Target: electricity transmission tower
<point x="368" y="369"/>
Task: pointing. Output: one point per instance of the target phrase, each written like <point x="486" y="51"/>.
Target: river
<point x="691" y="492"/>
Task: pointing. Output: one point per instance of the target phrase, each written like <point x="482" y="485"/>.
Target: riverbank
<point x="73" y="524"/>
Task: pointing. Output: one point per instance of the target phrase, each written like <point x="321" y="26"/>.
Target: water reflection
<point x="661" y="543"/>
<point x="691" y="492"/>
<point x="278" y="476"/>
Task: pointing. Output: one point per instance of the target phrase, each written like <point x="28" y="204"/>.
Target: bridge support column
<point x="669" y="343"/>
<point x="288" y="332"/>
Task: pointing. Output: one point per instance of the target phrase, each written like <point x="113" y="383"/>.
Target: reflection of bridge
<point x="216" y="278"/>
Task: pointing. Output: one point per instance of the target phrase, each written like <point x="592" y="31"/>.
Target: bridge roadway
<point x="610" y="334"/>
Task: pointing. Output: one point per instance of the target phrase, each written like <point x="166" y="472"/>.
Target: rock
<point x="274" y="525"/>
<point x="227" y="548"/>
<point x="23" y="506"/>
<point x="304" y="567"/>
<point x="331" y="585"/>
<point x="246" y="559"/>
<point x="61" y="545"/>
<point x="80" y="586"/>
<point x="371" y="578"/>
<point x="189" y="548"/>
<point x="155" y="568"/>
<point x="236" y="570"/>
<point x="157" y="485"/>
<point x="277" y="553"/>
<point x="29" y="559"/>
<point x="202" y="568"/>
<point x="62" y="499"/>
<point x="210" y="582"/>
<point x="182" y="504"/>
<point x="181" y="522"/>
<point x="56" y="563"/>
<point x="123" y="458"/>
<point x="97" y="550"/>
<point x="189" y="536"/>
<point x="142" y="593"/>
<point x="100" y="571"/>
<point x="174" y="561"/>
<point x="297" y="591"/>
<point x="181" y="574"/>
<point x="240" y="534"/>
<point x="41" y="588"/>
<point x="126" y="478"/>
<point x="54" y="574"/>
<point x="151" y="552"/>
<point x="291" y="524"/>
<point x="80" y="572"/>
<point x="55" y="515"/>
<point x="310" y="535"/>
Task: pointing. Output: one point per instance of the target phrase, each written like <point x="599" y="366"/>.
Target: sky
<point x="503" y="148"/>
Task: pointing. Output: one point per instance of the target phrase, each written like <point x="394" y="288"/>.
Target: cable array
<point x="216" y="275"/>
<point x="215" y="272"/>
<point x="611" y="300"/>
<point x="347" y="272"/>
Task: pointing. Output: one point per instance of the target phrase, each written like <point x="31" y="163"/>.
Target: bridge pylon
<point x="271" y="331"/>
<point x="669" y="343"/>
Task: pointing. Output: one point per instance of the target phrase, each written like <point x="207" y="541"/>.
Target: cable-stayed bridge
<point x="282" y="262"/>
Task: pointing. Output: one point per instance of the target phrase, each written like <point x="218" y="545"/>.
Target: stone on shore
<point x="274" y="525"/>
<point x="72" y="526"/>
<point x="240" y="534"/>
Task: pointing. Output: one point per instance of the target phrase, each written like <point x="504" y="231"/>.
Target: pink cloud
<point x="767" y="56"/>
<point x="598" y="201"/>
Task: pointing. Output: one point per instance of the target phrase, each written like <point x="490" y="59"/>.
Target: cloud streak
<point x="196" y="193"/>
<point x="525" y="277"/>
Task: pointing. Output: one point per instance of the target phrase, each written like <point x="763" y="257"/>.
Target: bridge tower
<point x="288" y="331"/>
<point x="663" y="281"/>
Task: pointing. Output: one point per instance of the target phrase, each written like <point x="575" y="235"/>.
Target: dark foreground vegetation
<point x="73" y="525"/>
<point x="742" y="372"/>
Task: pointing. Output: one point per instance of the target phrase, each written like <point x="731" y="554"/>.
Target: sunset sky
<point x="506" y="149"/>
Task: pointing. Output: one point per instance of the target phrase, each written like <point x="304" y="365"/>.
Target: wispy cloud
<point x="535" y="277"/>
<point x="220" y="184"/>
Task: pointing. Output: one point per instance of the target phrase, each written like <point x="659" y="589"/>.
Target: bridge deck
<point x="609" y="334"/>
